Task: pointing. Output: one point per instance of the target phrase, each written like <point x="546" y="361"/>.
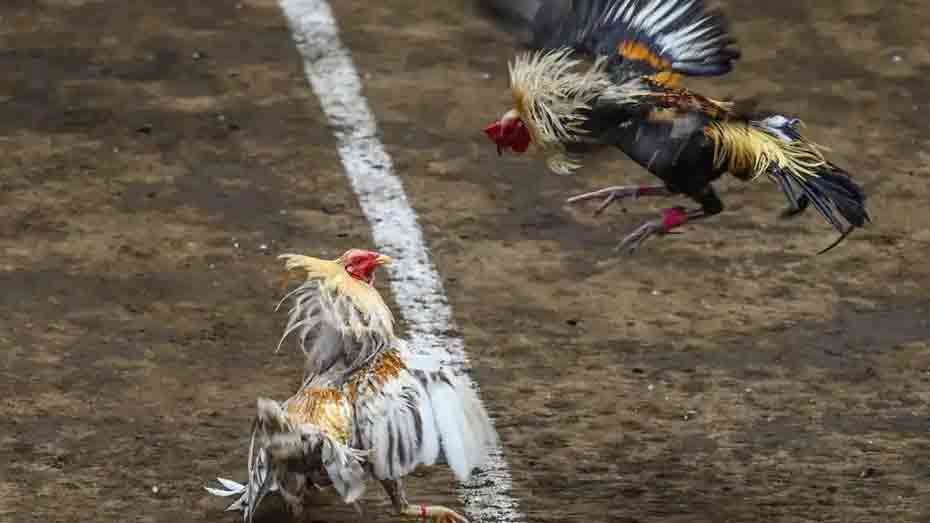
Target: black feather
<point x="830" y="191"/>
<point x="846" y="196"/>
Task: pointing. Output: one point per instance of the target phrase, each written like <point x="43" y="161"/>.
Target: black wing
<point x="657" y="38"/>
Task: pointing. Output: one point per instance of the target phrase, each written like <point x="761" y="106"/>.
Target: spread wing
<point x="418" y="414"/>
<point x="660" y="39"/>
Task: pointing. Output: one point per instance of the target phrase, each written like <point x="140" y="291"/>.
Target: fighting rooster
<point x="629" y="96"/>
<point x="368" y="406"/>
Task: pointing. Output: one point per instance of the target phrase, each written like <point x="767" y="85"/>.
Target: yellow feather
<point x="748" y="151"/>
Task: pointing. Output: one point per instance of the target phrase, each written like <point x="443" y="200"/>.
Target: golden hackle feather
<point x="388" y="367"/>
<point x="328" y="409"/>
<point x="551" y="92"/>
<point x="748" y="151"/>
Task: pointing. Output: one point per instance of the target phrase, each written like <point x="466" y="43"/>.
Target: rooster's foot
<point x="671" y="218"/>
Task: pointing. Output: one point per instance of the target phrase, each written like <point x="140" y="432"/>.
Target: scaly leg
<point x="620" y="192"/>
<point x="673" y="218"/>
<point x="435" y="513"/>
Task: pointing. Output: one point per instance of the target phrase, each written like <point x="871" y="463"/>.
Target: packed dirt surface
<point x="156" y="155"/>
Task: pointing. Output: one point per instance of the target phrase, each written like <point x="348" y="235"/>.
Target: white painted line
<point x="416" y="285"/>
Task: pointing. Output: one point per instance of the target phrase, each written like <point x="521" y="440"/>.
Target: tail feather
<point x="259" y="483"/>
<point x="451" y="428"/>
<point x="773" y="146"/>
<point x="462" y="423"/>
<point x="830" y="190"/>
<point x="847" y="197"/>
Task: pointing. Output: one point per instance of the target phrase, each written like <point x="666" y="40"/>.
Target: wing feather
<point x="656" y="38"/>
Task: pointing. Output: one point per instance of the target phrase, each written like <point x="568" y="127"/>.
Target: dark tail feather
<point x="846" y="195"/>
<point x="838" y="241"/>
<point x="832" y="192"/>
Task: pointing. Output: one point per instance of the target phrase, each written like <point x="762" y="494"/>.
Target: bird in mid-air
<point x="369" y="406"/>
<point x="608" y="72"/>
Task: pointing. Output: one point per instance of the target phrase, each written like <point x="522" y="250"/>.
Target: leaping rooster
<point x="629" y="96"/>
<point x="368" y="405"/>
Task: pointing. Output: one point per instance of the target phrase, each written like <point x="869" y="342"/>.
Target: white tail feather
<point x="429" y="449"/>
<point x="451" y="427"/>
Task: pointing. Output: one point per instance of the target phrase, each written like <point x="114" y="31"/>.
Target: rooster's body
<point x="631" y="98"/>
<point x="368" y="407"/>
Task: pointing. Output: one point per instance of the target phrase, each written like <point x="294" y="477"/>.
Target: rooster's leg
<point x="435" y="513"/>
<point x="620" y="192"/>
<point x="673" y="218"/>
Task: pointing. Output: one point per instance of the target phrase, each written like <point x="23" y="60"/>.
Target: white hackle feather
<point x="346" y="318"/>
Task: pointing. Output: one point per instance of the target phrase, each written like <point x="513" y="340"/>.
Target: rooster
<point x="608" y="72"/>
<point x="368" y="406"/>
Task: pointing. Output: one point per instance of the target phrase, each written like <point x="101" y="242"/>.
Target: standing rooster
<point x="630" y="97"/>
<point x="367" y="407"/>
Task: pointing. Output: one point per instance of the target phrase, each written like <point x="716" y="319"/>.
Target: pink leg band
<point x="674" y="217"/>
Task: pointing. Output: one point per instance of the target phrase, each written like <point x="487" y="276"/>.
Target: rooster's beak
<point x="384" y="260"/>
<point x="494" y="133"/>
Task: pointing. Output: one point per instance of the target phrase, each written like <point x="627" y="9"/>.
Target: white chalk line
<point x="416" y="285"/>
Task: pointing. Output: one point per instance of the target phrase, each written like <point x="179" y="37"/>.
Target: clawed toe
<point x="672" y="218"/>
<point x="634" y="240"/>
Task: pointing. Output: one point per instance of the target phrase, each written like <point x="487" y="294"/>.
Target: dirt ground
<point x="155" y="155"/>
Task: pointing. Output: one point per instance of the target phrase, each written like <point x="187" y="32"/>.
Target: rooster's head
<point x="361" y="264"/>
